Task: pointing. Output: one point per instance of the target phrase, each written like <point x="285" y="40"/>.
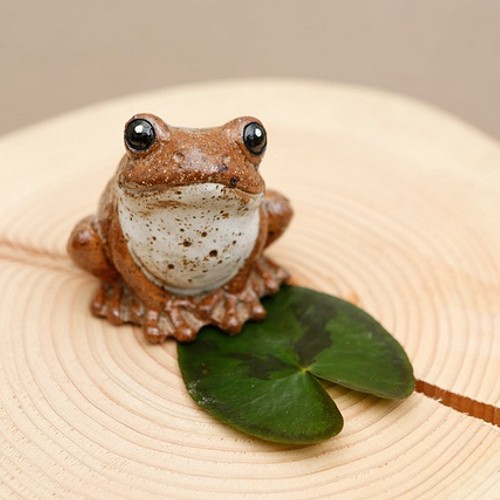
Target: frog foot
<point x="230" y="310"/>
<point x="177" y="319"/>
<point x="107" y="302"/>
<point x="115" y="302"/>
<point x="268" y="276"/>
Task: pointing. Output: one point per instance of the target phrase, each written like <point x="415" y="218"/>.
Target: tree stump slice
<point x="396" y="210"/>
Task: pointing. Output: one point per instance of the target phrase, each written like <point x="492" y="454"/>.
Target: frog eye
<point x="255" y="138"/>
<point x="139" y="134"/>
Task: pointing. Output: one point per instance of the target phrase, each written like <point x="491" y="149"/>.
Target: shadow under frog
<point x="180" y="229"/>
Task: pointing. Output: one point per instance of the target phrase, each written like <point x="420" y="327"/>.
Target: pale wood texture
<point x="396" y="209"/>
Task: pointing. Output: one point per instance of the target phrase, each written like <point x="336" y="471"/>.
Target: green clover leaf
<point x="264" y="381"/>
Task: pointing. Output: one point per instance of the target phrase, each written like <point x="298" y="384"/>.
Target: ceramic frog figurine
<point x="180" y="229"/>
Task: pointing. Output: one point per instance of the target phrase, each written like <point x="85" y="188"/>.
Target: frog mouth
<point x="195" y="195"/>
<point x="204" y="191"/>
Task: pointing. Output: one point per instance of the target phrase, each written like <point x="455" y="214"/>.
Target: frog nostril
<point x="234" y="181"/>
<point x="178" y="157"/>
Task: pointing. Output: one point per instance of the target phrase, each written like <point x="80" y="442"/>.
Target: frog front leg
<point x="260" y="276"/>
<point x="275" y="215"/>
<point x="160" y="313"/>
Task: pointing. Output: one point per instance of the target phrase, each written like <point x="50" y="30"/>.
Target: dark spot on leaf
<point x="213" y="253"/>
<point x="261" y="367"/>
<point x="316" y="337"/>
<point x="187" y="243"/>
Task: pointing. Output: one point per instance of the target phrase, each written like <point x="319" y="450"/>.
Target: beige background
<point x="58" y="55"/>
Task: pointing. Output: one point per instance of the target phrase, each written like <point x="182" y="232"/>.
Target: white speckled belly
<point x="190" y="239"/>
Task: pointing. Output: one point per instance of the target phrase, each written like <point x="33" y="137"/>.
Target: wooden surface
<point x="396" y="209"/>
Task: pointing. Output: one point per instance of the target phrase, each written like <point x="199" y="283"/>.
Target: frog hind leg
<point x="279" y="213"/>
<point x="86" y="249"/>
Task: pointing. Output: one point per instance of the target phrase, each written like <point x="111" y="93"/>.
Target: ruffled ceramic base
<point x="183" y="317"/>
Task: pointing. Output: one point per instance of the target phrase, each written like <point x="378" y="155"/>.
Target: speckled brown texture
<point x="178" y="237"/>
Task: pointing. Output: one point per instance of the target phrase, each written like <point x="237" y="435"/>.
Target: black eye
<point x="255" y="138"/>
<point x="139" y="134"/>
